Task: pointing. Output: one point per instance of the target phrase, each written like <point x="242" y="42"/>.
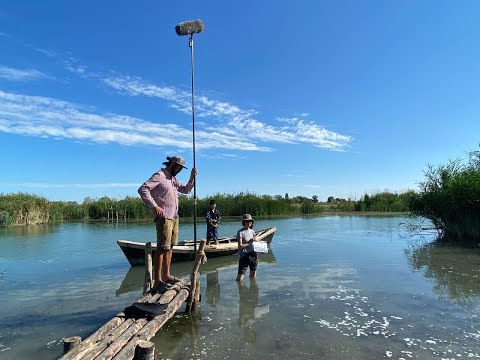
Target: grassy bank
<point x="29" y="209"/>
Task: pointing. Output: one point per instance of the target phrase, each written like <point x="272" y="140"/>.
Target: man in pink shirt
<point x="160" y="193"/>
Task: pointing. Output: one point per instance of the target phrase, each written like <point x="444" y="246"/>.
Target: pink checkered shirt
<point x="162" y="190"/>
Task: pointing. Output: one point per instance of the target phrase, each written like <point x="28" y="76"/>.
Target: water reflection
<point x="178" y="338"/>
<point x="249" y="310"/>
<point x="29" y="231"/>
<point x="455" y="269"/>
<point x="132" y="281"/>
<point x="135" y="275"/>
<point x="213" y="288"/>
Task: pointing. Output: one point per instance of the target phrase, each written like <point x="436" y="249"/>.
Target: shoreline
<point x="230" y="217"/>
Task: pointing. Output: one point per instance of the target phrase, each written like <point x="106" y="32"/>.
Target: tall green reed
<point x="450" y="198"/>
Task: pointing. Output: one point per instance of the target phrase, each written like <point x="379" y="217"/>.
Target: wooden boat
<point x="135" y="251"/>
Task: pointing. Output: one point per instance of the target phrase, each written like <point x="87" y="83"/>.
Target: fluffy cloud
<point x="231" y="119"/>
<point x="47" y="117"/>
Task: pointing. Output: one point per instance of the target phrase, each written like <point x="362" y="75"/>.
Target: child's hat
<point x="247" y="217"/>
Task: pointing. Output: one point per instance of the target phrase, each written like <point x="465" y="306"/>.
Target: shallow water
<point x="340" y="287"/>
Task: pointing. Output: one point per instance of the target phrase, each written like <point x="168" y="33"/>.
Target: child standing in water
<point x="248" y="256"/>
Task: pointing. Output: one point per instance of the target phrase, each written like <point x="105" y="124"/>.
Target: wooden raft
<point x="127" y="334"/>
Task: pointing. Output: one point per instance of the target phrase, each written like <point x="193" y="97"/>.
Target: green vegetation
<point x="381" y="202"/>
<point x="239" y="204"/>
<point x="25" y="209"/>
<point x="450" y="198"/>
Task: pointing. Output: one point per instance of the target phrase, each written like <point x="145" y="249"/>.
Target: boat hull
<point x="185" y="251"/>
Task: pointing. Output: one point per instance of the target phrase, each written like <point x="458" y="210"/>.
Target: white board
<point x="260" y="247"/>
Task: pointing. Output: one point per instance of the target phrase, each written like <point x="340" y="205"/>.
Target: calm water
<point x="331" y="288"/>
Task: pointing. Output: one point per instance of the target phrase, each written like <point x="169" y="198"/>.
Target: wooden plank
<point x="145" y="297"/>
<point x="151" y="328"/>
<point x="95" y="337"/>
<point x="170" y="294"/>
<point x="153" y="298"/>
<point x="102" y="345"/>
<point x="121" y="340"/>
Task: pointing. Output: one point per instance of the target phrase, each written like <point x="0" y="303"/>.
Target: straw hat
<point x="247" y="217"/>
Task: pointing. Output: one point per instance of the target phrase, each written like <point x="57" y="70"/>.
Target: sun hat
<point x="247" y="217"/>
<point x="177" y="160"/>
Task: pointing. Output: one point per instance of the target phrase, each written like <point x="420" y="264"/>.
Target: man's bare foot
<point x="173" y="279"/>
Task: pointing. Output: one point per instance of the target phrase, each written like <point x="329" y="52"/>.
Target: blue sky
<point x="306" y="98"/>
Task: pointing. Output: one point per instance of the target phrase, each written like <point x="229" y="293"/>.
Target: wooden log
<point x="145" y="350"/>
<point x="148" y="284"/>
<point x="145" y="297"/>
<point x="71" y="342"/>
<point x="95" y="337"/>
<point x="154" y="298"/>
<point x="101" y="345"/>
<point x="170" y="291"/>
<point x="196" y="295"/>
<point x="121" y="340"/>
<point x="152" y="307"/>
<point x="193" y="277"/>
<point x="168" y="295"/>
<point x="151" y="328"/>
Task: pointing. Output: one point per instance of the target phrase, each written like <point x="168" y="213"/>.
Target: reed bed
<point x="21" y="209"/>
<point x="450" y="198"/>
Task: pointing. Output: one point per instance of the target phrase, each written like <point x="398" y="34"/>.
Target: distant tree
<point x="330" y="199"/>
<point x="368" y="202"/>
<point x="302" y="199"/>
<point x="315" y="198"/>
<point x="286" y="196"/>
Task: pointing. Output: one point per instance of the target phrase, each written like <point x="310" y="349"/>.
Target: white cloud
<point x="46" y="52"/>
<point x="222" y="156"/>
<point x="15" y="74"/>
<point x="4" y="34"/>
<point x="231" y="120"/>
<point x="71" y="64"/>
<point x="221" y="125"/>
<point x="177" y="98"/>
<point x="53" y="118"/>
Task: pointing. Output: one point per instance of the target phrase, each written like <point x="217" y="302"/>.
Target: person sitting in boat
<point x="213" y="219"/>
<point x="248" y="256"/>
<point x="160" y="193"/>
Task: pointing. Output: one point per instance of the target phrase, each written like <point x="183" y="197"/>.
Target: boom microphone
<point x="189" y="27"/>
